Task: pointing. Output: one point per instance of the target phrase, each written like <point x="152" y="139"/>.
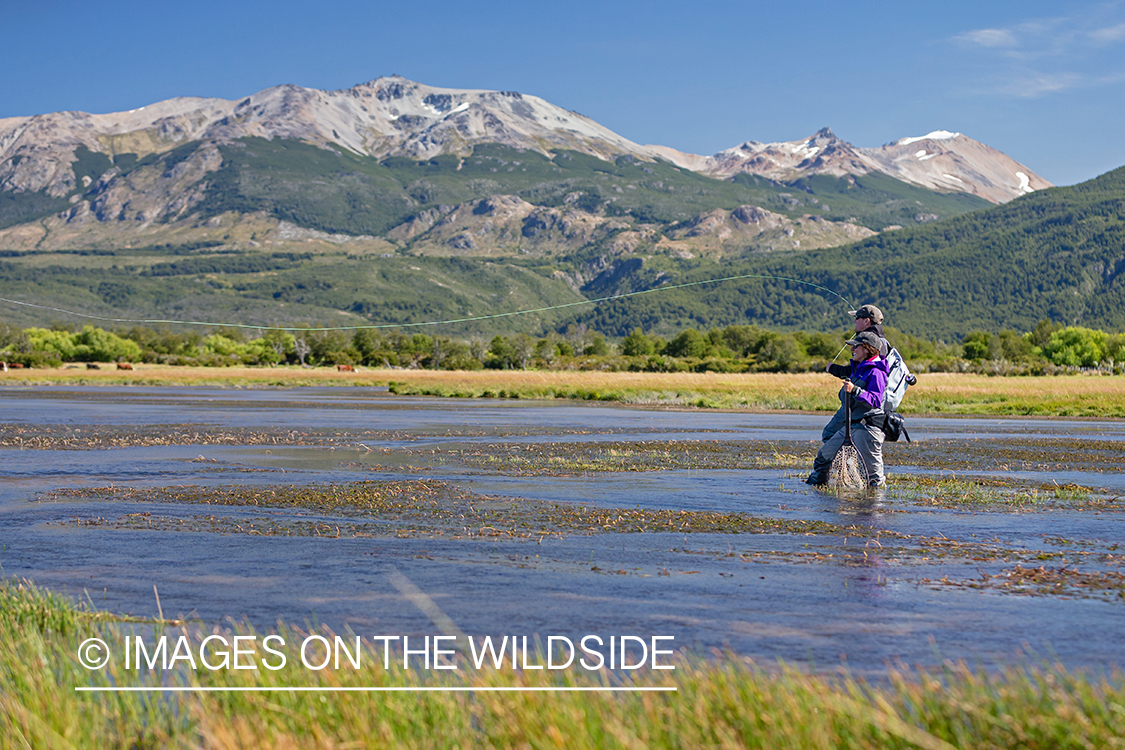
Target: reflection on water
<point x="817" y="599"/>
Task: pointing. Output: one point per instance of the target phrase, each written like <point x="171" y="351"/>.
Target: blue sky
<point x="1043" y="82"/>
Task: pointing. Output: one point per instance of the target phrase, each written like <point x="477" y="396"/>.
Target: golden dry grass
<point x="298" y="376"/>
<point x="945" y="393"/>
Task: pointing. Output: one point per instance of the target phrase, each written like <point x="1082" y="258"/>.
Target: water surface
<point x="815" y="599"/>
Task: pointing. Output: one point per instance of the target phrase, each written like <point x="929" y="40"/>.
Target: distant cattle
<point x="125" y="366"/>
<point x="344" y="368"/>
<point x="15" y="365"/>
<point x="92" y="366"/>
<point x="4" y="366"/>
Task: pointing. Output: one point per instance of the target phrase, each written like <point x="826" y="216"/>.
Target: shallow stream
<point x="908" y="574"/>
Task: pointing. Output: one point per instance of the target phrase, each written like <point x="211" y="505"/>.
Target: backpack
<point x="898" y="379"/>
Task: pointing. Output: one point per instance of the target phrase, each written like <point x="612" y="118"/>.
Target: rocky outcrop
<point x="288" y="232"/>
<point x="504" y="224"/>
<point x="147" y="195"/>
<point x="753" y="229"/>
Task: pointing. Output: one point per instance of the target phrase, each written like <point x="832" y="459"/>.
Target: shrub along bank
<point x="1049" y="348"/>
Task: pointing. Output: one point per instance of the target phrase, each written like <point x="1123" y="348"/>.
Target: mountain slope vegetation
<point x="1055" y="254"/>
<point x="339" y="191"/>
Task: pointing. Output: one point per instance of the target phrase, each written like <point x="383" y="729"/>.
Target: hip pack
<point x="891" y="423"/>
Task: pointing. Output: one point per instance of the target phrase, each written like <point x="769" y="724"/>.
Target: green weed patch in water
<point x="576" y="459"/>
<point x="1044" y="581"/>
<point x="416" y="508"/>
<point x="98" y="437"/>
<point x="259" y="526"/>
<point x="952" y="491"/>
<point x="860" y="547"/>
<point x="1010" y="454"/>
<point x="729" y="398"/>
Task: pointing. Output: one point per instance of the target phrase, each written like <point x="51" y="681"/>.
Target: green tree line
<point x="1048" y="347"/>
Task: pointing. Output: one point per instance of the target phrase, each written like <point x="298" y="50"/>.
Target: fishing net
<point x="846" y="470"/>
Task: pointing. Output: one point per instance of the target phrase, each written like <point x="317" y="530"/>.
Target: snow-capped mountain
<point x="951" y="161"/>
<point x="393" y="116"/>
<point x="941" y="160"/>
<point x="385" y="117"/>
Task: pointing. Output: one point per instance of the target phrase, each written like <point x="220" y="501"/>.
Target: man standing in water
<point x="870" y="318"/>
<point x="866" y="381"/>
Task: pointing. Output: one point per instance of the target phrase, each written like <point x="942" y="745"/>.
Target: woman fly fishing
<point x="860" y="438"/>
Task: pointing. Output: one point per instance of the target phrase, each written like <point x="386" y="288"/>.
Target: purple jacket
<point x="870" y="381"/>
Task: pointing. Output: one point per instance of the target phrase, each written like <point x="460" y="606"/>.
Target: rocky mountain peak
<point x="953" y="162"/>
<point x="392" y="115"/>
<point x="940" y="160"/>
<point x="821" y="153"/>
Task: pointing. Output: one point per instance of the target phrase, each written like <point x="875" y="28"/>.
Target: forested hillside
<point x="1056" y="254"/>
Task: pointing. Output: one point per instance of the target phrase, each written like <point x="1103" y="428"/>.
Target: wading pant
<point x="834" y="424"/>
<point x="868" y="443"/>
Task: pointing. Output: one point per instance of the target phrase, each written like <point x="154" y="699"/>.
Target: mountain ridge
<point x="396" y="202"/>
<point x="393" y="116"/>
<point x="1054" y="254"/>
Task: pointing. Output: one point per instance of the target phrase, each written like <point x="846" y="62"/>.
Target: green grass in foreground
<point x="718" y="703"/>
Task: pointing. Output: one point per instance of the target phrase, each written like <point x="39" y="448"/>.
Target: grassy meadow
<point x="720" y="702"/>
<point x="936" y="393"/>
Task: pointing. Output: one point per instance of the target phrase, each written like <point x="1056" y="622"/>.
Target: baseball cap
<point x="867" y="338"/>
<point x="872" y="313"/>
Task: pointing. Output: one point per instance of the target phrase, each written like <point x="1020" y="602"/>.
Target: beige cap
<point x="872" y="313"/>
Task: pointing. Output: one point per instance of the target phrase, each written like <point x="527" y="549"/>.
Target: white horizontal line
<point x="280" y="689"/>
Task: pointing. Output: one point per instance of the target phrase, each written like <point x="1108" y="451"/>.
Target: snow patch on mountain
<point x="937" y="135"/>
